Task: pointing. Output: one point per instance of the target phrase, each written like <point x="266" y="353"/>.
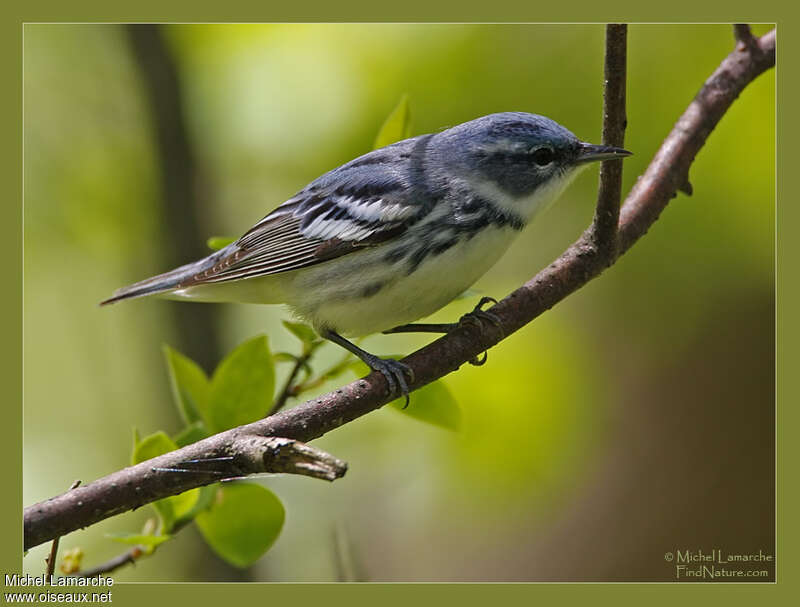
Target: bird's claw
<point x="476" y="318"/>
<point x="478" y="315"/>
<point x="395" y="373"/>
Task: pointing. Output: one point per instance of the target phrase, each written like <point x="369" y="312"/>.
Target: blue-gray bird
<point x="395" y="234"/>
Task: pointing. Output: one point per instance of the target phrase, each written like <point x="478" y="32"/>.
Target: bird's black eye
<point x="543" y="156"/>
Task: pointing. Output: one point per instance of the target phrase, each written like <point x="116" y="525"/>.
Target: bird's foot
<point x="479" y="316"/>
<point x="395" y="373"/>
<point x="393" y="370"/>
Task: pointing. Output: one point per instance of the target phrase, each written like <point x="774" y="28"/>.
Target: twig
<point x="137" y="485"/>
<point x="743" y="35"/>
<point x="113" y="564"/>
<point x="130" y="556"/>
<point x="51" y="559"/>
<point x="669" y="169"/>
<point x="331" y="372"/>
<point x="606" y="216"/>
<point x="344" y="559"/>
<point x="289" y="389"/>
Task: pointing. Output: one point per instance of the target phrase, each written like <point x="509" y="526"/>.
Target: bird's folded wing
<point x="308" y="229"/>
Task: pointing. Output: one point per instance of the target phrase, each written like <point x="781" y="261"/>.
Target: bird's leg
<point x="394" y="371"/>
<point x="473" y="318"/>
<point x="444" y="327"/>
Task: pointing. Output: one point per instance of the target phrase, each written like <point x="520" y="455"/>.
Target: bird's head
<point x="519" y="154"/>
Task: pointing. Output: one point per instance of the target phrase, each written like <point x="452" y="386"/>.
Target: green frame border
<point x="788" y="215"/>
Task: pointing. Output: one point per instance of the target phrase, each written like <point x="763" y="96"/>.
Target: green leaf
<point x="242" y="523"/>
<point x="397" y="126"/>
<point x="205" y="498"/>
<point x="191" y="434"/>
<point x="190" y="385"/>
<point x="138" y="539"/>
<point x="284" y="357"/>
<point x="242" y="386"/>
<point x="215" y="243"/>
<point x="171" y="508"/>
<point x="182" y="505"/>
<point x="302" y="332"/>
<point x="152" y="446"/>
<point x="434" y="404"/>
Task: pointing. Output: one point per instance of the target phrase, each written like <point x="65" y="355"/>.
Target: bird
<point x="394" y="235"/>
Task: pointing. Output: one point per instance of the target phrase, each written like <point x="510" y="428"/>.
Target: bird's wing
<point x="361" y="204"/>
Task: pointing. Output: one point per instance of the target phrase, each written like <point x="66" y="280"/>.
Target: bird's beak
<point x="589" y="152"/>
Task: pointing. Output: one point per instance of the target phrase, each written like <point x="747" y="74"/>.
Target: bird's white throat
<point x="530" y="205"/>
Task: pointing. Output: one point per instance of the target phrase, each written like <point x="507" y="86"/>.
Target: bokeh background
<point x="634" y="419"/>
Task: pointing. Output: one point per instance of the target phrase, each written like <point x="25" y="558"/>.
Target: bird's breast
<point x="396" y="283"/>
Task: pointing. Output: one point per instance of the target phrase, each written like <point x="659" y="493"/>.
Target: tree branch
<point x="232" y="454"/>
<point x="743" y="35"/>
<point x="606" y="218"/>
<point x="141" y="484"/>
<point x="668" y="172"/>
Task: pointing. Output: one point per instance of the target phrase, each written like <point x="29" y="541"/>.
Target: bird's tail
<point x="168" y="281"/>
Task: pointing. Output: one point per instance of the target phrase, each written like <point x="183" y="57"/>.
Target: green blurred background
<point x="633" y="419"/>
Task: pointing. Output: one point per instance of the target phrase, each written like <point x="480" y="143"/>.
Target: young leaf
<point x="152" y="446"/>
<point x="169" y="509"/>
<point x="182" y="505"/>
<point x="397" y="126"/>
<point x="434" y="404"/>
<point x="191" y="434"/>
<point x="138" y="539"/>
<point x="242" y="386"/>
<point x="242" y="523"/>
<point x="301" y="331"/>
<point x="205" y="499"/>
<point x="190" y="385"/>
<point x="215" y="243"/>
<point x="284" y="357"/>
<point x="71" y="562"/>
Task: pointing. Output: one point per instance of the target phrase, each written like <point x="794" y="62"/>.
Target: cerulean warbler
<point x="395" y="234"/>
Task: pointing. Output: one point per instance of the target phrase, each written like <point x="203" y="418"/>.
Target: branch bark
<point x="606" y="217"/>
<point x="667" y="173"/>
<point x="232" y="454"/>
